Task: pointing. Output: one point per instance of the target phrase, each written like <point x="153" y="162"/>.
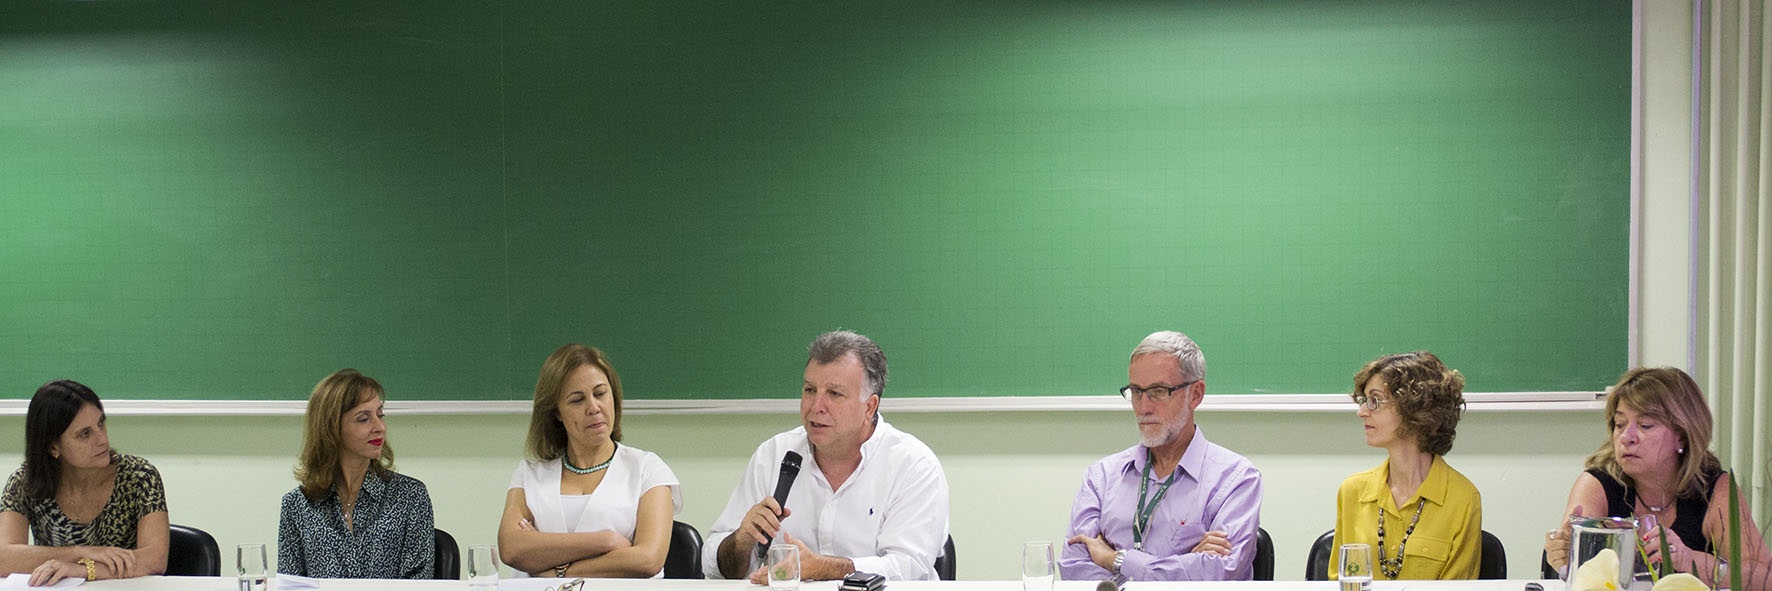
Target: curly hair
<point x="1428" y="396"/>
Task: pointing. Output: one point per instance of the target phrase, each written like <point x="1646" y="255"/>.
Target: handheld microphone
<point x="790" y="469"/>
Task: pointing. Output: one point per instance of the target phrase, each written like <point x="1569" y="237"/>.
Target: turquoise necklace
<point x="566" y="459"/>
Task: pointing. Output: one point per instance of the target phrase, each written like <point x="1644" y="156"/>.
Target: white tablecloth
<point x="228" y="584"/>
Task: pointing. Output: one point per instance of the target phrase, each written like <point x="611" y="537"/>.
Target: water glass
<point x="250" y="559"/>
<point x="1355" y="570"/>
<point x="1036" y="566"/>
<point x="784" y="567"/>
<point x="483" y="566"/>
<point x="1595" y="544"/>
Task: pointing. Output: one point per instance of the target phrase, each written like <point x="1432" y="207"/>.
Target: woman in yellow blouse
<point x="1423" y="519"/>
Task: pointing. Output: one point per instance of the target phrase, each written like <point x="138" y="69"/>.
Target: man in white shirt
<point x="868" y="498"/>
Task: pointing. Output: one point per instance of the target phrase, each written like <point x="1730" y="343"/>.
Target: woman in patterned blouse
<point x="352" y="517"/>
<point x="583" y="504"/>
<point x="95" y="513"/>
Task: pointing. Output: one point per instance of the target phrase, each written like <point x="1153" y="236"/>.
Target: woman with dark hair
<point x="353" y="516"/>
<point x="1657" y="464"/>
<point x="94" y="513"/>
<point x="1423" y="519"/>
<point x="582" y="504"/>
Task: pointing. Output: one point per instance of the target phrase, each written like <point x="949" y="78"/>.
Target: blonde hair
<point x="547" y="437"/>
<point x="1669" y="396"/>
<point x="317" y="468"/>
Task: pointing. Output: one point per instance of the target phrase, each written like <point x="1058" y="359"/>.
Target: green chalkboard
<point x="213" y="199"/>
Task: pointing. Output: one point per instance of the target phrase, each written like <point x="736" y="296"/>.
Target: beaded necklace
<point x="566" y="460"/>
<point x="1390" y="567"/>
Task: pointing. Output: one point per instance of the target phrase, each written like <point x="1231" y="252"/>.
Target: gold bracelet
<point x="560" y="571"/>
<point x="91" y="569"/>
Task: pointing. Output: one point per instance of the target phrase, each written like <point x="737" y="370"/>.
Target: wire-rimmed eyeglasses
<point x="1370" y="403"/>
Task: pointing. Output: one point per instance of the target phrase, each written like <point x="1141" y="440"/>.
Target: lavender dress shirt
<point x="1216" y="489"/>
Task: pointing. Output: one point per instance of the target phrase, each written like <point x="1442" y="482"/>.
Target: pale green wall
<point x="1012" y="474"/>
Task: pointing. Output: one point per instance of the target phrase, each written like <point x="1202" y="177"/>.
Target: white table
<point x="228" y="584"/>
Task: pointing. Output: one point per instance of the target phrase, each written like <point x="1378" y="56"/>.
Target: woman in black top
<point x="1658" y="468"/>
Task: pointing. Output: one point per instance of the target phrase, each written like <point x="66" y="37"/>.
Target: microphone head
<point x="1106" y="586"/>
<point x="790" y="462"/>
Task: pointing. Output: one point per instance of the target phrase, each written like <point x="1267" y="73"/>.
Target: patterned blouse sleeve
<point x="148" y="490"/>
<point x="14" y="497"/>
<point x="291" y="554"/>
<point x="421" y="551"/>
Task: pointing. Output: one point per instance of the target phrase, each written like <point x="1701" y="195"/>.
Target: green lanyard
<point x="1143" y="518"/>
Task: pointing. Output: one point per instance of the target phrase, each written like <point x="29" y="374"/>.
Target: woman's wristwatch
<point x="91" y="568"/>
<point x="1119" y="560"/>
<point x="560" y="571"/>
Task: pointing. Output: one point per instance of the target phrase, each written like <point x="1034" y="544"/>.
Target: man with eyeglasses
<point x="1175" y="507"/>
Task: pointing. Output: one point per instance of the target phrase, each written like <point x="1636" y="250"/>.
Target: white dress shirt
<point x="890" y="517"/>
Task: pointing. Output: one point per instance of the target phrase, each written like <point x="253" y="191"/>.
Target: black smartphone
<point x="860" y="581"/>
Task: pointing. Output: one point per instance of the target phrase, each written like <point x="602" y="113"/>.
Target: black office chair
<point x="447" y="562"/>
<point x="1492" y="563"/>
<point x="1544" y="566"/>
<point x="944" y="564"/>
<point x="1316" y="562"/>
<point x="1264" y="556"/>
<point x="683" y="559"/>
<point x="192" y="553"/>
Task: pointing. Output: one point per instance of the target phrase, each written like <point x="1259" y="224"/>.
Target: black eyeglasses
<point x="1157" y="393"/>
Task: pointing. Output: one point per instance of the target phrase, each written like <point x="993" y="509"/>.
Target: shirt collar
<point x="868" y="446"/>
<point x="875" y="440"/>
<point x="373" y="489"/>
<point x="1433" y="488"/>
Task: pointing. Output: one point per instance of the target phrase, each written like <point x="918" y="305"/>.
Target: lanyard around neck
<point x="1142" y="518"/>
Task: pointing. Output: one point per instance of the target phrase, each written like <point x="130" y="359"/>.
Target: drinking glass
<point x="1036" y="566"/>
<point x="784" y="567"/>
<point x="250" y="559"/>
<point x="1355" y="570"/>
<point x="483" y="566"/>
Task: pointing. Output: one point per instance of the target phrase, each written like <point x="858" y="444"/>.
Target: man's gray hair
<point x="1169" y="342"/>
<point x="833" y="345"/>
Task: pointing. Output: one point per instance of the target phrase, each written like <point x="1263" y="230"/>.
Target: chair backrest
<point x="1316" y="563"/>
<point x="447" y="563"/>
<point x="1492" y="564"/>
<point x="1544" y="566"/>
<point x="683" y="558"/>
<point x="944" y="564"/>
<point x="192" y="553"/>
<point x="1264" y="556"/>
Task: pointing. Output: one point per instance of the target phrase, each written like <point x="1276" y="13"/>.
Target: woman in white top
<point x="583" y="505"/>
